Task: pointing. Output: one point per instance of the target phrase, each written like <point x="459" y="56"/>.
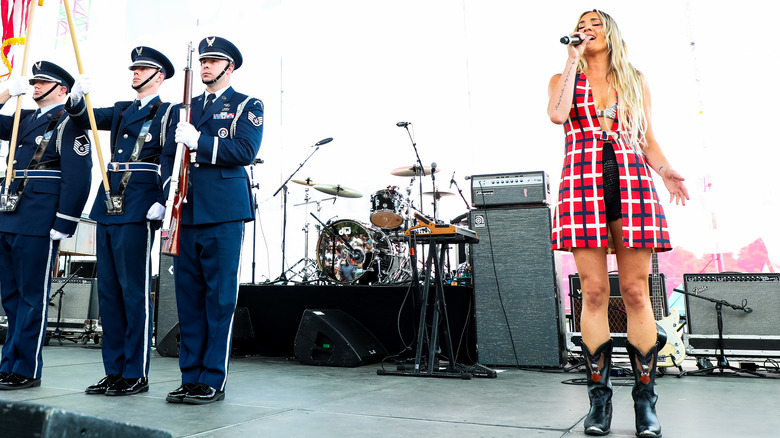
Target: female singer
<point x="607" y="203"/>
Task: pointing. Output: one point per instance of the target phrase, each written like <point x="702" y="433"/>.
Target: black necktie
<point x="209" y="100"/>
<point x="36" y="114"/>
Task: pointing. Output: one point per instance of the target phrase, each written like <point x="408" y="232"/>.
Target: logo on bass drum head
<point x="222" y="133"/>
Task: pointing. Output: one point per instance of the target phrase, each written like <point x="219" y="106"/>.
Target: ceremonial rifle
<point x="177" y="193"/>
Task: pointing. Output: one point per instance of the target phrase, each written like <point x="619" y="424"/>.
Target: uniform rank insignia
<point x="256" y="120"/>
<point x="81" y="145"/>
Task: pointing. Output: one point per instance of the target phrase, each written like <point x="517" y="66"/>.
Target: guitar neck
<point x="656" y="296"/>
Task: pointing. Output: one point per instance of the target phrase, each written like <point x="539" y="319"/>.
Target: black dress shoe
<point x="18" y="381"/>
<point x="178" y="394"/>
<point x="3" y="376"/>
<point x="203" y="394"/>
<point x="129" y="386"/>
<point x="104" y="383"/>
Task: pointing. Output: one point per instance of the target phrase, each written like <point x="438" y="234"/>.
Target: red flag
<point x="14" y="15"/>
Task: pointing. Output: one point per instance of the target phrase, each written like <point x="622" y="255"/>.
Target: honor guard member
<point x="126" y="227"/>
<point x="224" y="137"/>
<point x="51" y="178"/>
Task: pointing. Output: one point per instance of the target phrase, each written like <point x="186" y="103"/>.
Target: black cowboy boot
<point x="644" y="367"/>
<point x="599" y="366"/>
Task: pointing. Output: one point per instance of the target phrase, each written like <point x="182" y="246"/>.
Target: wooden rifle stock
<point x="177" y="194"/>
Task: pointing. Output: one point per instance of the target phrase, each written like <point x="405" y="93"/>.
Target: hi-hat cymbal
<point x="338" y="190"/>
<point x="439" y="194"/>
<point x="413" y="170"/>
<point x="306" y="182"/>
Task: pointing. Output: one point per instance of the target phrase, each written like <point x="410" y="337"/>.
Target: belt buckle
<point x="604" y="136"/>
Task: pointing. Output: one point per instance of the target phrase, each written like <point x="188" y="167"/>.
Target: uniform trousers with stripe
<point x="206" y="281"/>
<point x="26" y="263"/>
<point x="124" y="297"/>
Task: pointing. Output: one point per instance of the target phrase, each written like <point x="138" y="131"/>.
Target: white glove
<point x="56" y="235"/>
<point x="17" y="85"/>
<point x="81" y="88"/>
<point x="187" y="134"/>
<point x="156" y="212"/>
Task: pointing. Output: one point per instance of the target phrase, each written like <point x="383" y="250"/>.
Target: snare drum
<point x="386" y="208"/>
<point x="346" y="249"/>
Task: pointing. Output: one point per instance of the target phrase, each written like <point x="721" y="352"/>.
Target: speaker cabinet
<point x="518" y="311"/>
<point x="332" y="337"/>
<point x="166" y="339"/>
<point x="31" y="420"/>
<point x="758" y="292"/>
<point x="73" y="301"/>
<point x="616" y="313"/>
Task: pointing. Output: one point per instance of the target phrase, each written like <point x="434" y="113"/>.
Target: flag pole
<point x="90" y="113"/>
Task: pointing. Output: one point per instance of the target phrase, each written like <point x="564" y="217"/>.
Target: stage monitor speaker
<point x="22" y="419"/>
<point x="616" y="313"/>
<point x="166" y="339"/>
<point x="332" y="337"/>
<point x="75" y="300"/>
<point x="758" y="292"/>
<point x="518" y="310"/>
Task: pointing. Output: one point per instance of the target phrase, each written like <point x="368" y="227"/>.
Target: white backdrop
<point x="471" y="76"/>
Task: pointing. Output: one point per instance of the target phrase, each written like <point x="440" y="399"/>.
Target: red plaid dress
<point x="580" y="220"/>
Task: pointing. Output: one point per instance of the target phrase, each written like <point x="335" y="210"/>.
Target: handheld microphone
<point x="323" y="141"/>
<point x="452" y="180"/>
<point x="403" y="124"/>
<point x="748" y="310"/>
<point x="433" y="168"/>
<point x="571" y="40"/>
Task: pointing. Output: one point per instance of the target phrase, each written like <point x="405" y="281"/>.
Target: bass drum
<point x="348" y="251"/>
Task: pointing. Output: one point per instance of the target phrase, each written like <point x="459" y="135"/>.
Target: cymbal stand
<point x="282" y="277"/>
<point x="310" y="266"/>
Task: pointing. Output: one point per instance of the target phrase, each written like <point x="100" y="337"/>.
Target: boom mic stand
<point x="723" y="363"/>
<point x="282" y="277"/>
<point x="460" y="192"/>
<point x="255" y="186"/>
<point x="57" y="334"/>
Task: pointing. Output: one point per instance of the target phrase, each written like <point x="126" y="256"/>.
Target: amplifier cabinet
<point x="75" y="300"/>
<point x="758" y="292"/>
<point x="504" y="189"/>
<point x="518" y="310"/>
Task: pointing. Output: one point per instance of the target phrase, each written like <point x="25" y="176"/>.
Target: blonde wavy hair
<point x="627" y="80"/>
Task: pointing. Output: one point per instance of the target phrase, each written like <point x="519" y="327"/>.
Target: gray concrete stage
<point x="278" y="397"/>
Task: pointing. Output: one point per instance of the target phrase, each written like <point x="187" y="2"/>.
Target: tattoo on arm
<point x="565" y="81"/>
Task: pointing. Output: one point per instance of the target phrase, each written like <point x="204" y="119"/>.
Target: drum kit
<point x="351" y="251"/>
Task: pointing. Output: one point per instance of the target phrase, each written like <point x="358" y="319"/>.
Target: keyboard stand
<point x="426" y="362"/>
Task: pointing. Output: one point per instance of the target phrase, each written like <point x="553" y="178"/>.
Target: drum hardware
<point x="438" y="194"/>
<point x="283" y="188"/>
<point x="385" y="208"/>
<point x="307" y="182"/>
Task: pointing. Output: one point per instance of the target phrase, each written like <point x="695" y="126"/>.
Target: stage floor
<point x="279" y="397"/>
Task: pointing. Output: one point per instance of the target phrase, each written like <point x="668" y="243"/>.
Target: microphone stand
<point x="468" y="207"/>
<point x="57" y="334"/>
<point x="723" y="363"/>
<point x="282" y="277"/>
<point x="254" y="186"/>
<point x="419" y="162"/>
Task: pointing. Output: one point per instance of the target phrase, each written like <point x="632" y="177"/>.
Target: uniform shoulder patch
<point x="81" y="146"/>
<point x="256" y="120"/>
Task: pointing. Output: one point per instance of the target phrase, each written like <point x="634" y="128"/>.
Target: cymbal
<point x="338" y="190"/>
<point x="306" y="182"/>
<point x="413" y="170"/>
<point x="439" y="194"/>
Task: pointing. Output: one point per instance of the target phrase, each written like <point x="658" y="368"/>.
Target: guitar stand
<point x="723" y="363"/>
<point x="428" y="363"/>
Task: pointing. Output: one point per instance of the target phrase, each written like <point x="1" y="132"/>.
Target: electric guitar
<point x="673" y="352"/>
